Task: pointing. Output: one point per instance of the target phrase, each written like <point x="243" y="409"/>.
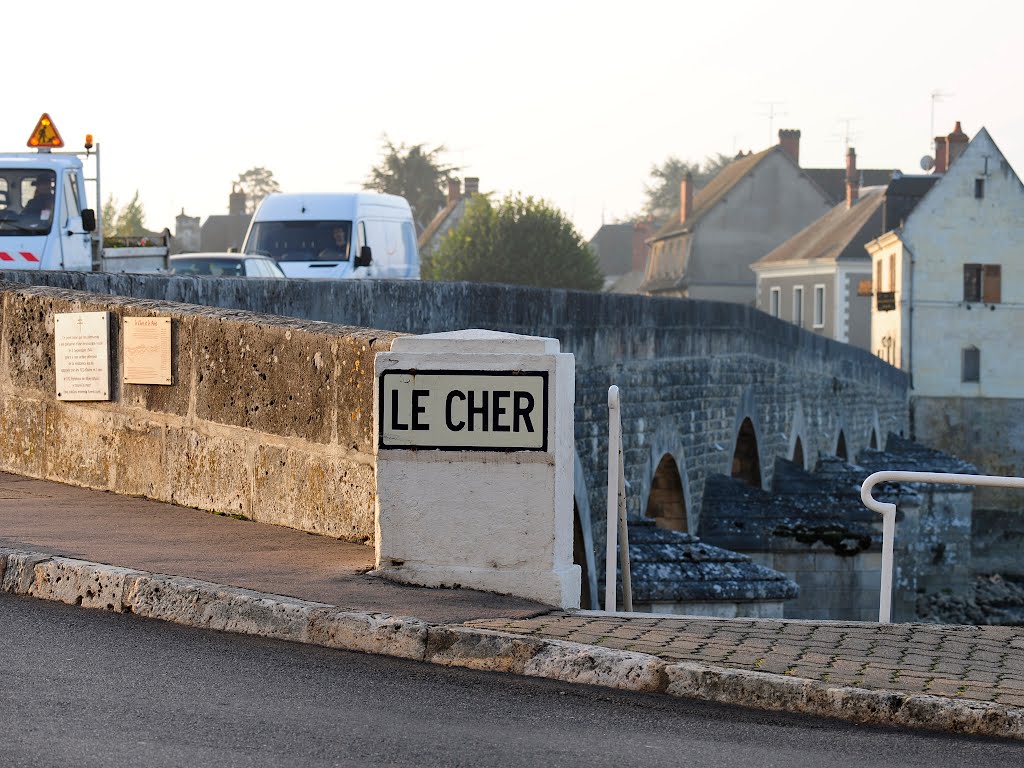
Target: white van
<point x="361" y="234"/>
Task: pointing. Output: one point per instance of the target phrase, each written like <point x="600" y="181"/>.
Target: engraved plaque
<point x="82" y="355"/>
<point x="147" y="350"/>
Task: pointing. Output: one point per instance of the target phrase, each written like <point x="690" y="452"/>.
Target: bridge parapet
<point x="269" y="418"/>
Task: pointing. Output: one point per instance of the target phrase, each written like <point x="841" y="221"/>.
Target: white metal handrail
<point x="616" y="510"/>
<point x="888" y="512"/>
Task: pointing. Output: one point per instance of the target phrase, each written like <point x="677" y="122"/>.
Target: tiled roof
<point x="613" y="244"/>
<point x="714" y="191"/>
<point x="833" y="180"/>
<point x="436" y="223"/>
<point x="839" y="235"/>
<point x="671" y="566"/>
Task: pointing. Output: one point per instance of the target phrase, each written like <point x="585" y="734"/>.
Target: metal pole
<point x="627" y="583"/>
<point x="614" y="441"/>
<point x="99" y="212"/>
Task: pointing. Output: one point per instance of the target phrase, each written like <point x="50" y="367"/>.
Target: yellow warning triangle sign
<point x="45" y="134"/>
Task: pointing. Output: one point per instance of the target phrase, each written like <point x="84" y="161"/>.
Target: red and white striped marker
<point x="4" y="256"/>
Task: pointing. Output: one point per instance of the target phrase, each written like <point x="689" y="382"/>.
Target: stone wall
<point x="267" y="417"/>
<point x="690" y="371"/>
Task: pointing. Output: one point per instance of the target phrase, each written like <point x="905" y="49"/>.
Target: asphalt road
<point x="88" y="688"/>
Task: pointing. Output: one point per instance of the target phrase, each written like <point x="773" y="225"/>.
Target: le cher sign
<point x="463" y="410"/>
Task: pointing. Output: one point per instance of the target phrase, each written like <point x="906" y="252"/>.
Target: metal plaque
<point x="147" y="350"/>
<point x="82" y="354"/>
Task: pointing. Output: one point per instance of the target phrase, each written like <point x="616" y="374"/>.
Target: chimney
<point x="686" y="198"/>
<point x="789" y="140"/>
<point x="454" y="190"/>
<point x="236" y="202"/>
<point x="956" y="143"/>
<point x="941" y="155"/>
<point x="472" y="185"/>
<point x="852" y="179"/>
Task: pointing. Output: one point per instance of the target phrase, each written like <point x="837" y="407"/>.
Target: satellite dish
<point x="927" y="163"/>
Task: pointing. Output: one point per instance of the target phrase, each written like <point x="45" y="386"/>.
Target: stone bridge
<point x="707" y="388"/>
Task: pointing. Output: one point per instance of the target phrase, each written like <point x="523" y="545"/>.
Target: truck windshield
<point x="26" y="200"/>
<point x="301" y="240"/>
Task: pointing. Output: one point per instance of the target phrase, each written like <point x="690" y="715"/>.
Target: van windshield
<point x="301" y="240"/>
<point x="26" y="200"/>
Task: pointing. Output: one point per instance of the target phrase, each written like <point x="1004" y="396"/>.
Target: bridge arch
<point x="746" y="457"/>
<point x="746" y="446"/>
<point x="875" y="438"/>
<point x="666" y="501"/>
<point x="841" y="450"/>
<point x="798" y="448"/>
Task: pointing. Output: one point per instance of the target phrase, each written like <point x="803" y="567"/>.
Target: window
<point x="983" y="283"/>
<point x="979" y="188"/>
<point x="798" y="305"/>
<point x="878" y="276"/>
<point x="892" y="273"/>
<point x="775" y="302"/>
<point x="970" y="364"/>
<point x="819" y="306"/>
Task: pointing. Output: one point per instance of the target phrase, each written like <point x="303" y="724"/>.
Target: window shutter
<point x="991" y="282"/>
<point x="972" y="278"/>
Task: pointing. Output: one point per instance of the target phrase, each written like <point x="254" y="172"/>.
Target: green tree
<point x="257" y="183"/>
<point x="521" y="241"/>
<point x="417" y="174"/>
<point x="663" y="192"/>
<point x="124" y="221"/>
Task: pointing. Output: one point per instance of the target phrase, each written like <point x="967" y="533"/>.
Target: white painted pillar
<point x="474" y="451"/>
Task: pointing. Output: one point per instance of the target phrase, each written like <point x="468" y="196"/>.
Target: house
<point x="621" y="251"/>
<point x="452" y="213"/>
<point x="219" y="233"/>
<point x="755" y="203"/>
<point x="949" y="294"/>
<point x="820" y="279"/>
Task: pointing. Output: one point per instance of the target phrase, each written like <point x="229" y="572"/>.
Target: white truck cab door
<point x="75" y="242"/>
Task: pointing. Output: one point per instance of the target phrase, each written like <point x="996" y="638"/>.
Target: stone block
<point x="317" y="492"/>
<point x="79" y="442"/>
<point x="140" y="466"/>
<point x="209" y="472"/>
<point x="22" y="435"/>
<point x="265" y="377"/>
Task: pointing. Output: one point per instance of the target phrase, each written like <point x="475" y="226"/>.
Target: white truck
<point x="44" y="220"/>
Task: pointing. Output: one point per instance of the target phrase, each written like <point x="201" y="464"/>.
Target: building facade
<point x="949" y="305"/>
<point x="755" y="203"/>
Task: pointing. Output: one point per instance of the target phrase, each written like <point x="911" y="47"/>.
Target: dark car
<point x="224" y="265"/>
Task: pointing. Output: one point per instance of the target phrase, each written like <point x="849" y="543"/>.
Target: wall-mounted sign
<point x="147" y="350"/>
<point x="82" y="355"/>
<point x="885" y="301"/>
<point x="464" y="410"/>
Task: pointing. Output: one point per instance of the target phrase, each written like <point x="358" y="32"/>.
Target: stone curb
<point x="229" y="609"/>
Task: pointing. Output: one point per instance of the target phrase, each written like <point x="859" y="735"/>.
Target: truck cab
<point x="44" y="223"/>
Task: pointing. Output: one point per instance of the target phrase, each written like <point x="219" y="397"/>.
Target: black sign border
<point x="462" y="372"/>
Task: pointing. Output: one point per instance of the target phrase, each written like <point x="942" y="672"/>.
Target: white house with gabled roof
<point x="948" y="307"/>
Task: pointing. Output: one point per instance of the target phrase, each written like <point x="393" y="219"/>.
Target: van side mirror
<point x="365" y="257"/>
<point x="88" y="219"/>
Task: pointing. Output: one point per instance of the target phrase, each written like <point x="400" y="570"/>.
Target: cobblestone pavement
<point x="967" y="662"/>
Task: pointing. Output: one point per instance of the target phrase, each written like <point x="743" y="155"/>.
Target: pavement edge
<point x="230" y="609"/>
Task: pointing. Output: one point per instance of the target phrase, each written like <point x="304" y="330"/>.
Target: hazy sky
<point x="569" y="101"/>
